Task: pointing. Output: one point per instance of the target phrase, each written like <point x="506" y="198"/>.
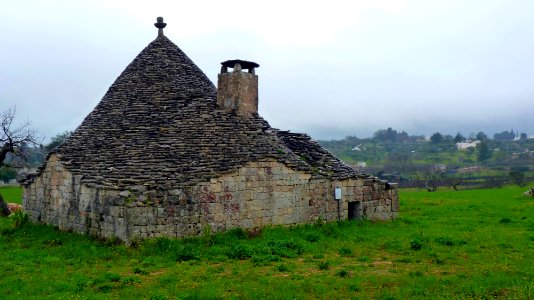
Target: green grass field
<point x="468" y="244"/>
<point x="11" y="194"/>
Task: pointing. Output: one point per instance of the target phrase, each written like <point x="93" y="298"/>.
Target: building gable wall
<point x="258" y="194"/>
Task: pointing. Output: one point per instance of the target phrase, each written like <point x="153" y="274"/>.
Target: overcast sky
<point x="327" y="68"/>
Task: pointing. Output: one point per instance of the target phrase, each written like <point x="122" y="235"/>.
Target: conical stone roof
<point x="158" y="126"/>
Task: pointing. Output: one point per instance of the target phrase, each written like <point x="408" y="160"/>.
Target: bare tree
<point x="433" y="175"/>
<point x="400" y="162"/>
<point x="494" y="181"/>
<point x="455" y="182"/>
<point x="518" y="177"/>
<point x="14" y="139"/>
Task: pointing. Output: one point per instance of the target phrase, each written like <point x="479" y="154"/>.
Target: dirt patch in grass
<point x="382" y="263"/>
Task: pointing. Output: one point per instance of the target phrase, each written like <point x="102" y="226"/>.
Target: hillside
<point x="413" y="157"/>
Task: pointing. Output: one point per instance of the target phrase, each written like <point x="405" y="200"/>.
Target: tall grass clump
<point x="175" y="250"/>
<point x="19" y="218"/>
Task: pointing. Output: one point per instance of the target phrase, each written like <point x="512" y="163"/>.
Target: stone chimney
<point x="238" y="90"/>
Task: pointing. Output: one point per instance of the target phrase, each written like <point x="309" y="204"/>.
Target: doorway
<point x="354" y="210"/>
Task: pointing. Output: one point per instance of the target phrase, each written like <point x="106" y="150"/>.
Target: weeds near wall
<point x="207" y="236"/>
<point x="19" y="218"/>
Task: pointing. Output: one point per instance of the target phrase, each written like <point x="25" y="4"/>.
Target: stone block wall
<point x="259" y="194"/>
<point x="58" y="198"/>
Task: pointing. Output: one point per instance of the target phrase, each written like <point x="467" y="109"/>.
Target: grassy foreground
<point x="467" y="244"/>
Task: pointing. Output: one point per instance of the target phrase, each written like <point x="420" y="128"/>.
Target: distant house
<point x="422" y="139"/>
<point x="469" y="170"/>
<point x="362" y="164"/>
<point x="440" y="167"/>
<point x="8" y="182"/>
<point x="357" y="148"/>
<point x="466" y="145"/>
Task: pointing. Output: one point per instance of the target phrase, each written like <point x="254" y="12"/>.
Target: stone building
<point x="166" y="154"/>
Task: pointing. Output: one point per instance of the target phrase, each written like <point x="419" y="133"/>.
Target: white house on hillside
<point x="467" y="144"/>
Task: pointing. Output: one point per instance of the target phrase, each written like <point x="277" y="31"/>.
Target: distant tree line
<point x="483" y="150"/>
<point x="509" y="136"/>
<point x="390" y="135"/>
<point x="434" y="161"/>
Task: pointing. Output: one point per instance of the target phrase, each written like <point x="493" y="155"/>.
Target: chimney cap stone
<point x="244" y="64"/>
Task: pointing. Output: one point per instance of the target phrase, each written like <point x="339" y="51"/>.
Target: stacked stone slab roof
<point x="321" y="161"/>
<point x="158" y="126"/>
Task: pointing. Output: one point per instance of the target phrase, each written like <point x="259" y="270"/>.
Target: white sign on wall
<point x="337" y="193"/>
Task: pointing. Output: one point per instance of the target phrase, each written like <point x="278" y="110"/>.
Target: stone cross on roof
<point x="160" y="25"/>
